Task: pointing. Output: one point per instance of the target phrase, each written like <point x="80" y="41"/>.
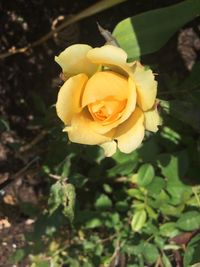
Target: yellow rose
<point x="105" y="100"/>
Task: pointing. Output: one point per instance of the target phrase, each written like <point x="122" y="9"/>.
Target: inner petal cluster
<point x="105" y="96"/>
<point x="107" y="110"/>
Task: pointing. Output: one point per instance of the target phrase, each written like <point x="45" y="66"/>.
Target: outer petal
<point x="69" y="97"/>
<point x="131" y="133"/>
<point x="130" y="107"/>
<point x="81" y="132"/>
<point x="146" y="87"/>
<point x="73" y="60"/>
<point x="109" y="148"/>
<point x="152" y="120"/>
<point x="109" y="55"/>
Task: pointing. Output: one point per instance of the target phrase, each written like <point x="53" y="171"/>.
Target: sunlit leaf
<point x="150" y="253"/>
<point x="103" y="202"/>
<point x="62" y="194"/>
<point x="145" y="174"/>
<point x="138" y="220"/>
<point x="148" y="32"/>
<point x="189" y="221"/>
<point x="169" y="229"/>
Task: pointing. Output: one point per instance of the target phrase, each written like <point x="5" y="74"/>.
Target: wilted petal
<point x="146" y="87"/>
<point x="109" y="148"/>
<point x="69" y="97"/>
<point x="152" y="120"/>
<point x="131" y="133"/>
<point x="73" y="61"/>
<point x="81" y="132"/>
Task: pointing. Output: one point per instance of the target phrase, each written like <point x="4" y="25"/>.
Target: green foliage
<point x="62" y="194"/>
<point x="189" y="221"/>
<point x="192" y="253"/>
<point x="148" y="32"/>
<point x="145" y="175"/>
<point x="138" y="220"/>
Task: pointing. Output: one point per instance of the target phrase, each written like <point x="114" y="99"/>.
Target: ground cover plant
<point x="67" y="204"/>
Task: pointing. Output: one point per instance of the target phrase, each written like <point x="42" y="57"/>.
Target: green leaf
<point x="150" y="228"/>
<point x="166" y="261"/>
<point x="55" y="198"/>
<point x="150" y="253"/>
<point x="160" y="199"/>
<point x="149" y="150"/>
<point x="69" y="197"/>
<point x="171" y="135"/>
<point x="124" y="168"/>
<point x="122" y="205"/>
<point x="152" y="214"/>
<point x="171" y="210"/>
<point x="174" y="167"/>
<point x="145" y="174"/>
<point x="192" y="255"/>
<point x="78" y="180"/>
<point x="185" y="111"/>
<point x="62" y="194"/>
<point x="18" y="255"/>
<point x="111" y="219"/>
<point x="189" y="221"/>
<point x="169" y="229"/>
<point x="138" y="220"/>
<point x="155" y="187"/>
<point x="103" y="202"/>
<point x="136" y="193"/>
<point x="148" y="32"/>
<point x="90" y="219"/>
<point x="93" y="223"/>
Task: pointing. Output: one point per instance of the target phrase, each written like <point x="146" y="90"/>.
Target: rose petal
<point x="146" y="87"/>
<point x="107" y="54"/>
<point x="69" y="97"/>
<point x="109" y="148"/>
<point x="152" y="120"/>
<point x="130" y="107"/>
<point x="104" y="84"/>
<point x="73" y="61"/>
<point x="81" y="132"/>
<point x="131" y="133"/>
<point x="110" y="56"/>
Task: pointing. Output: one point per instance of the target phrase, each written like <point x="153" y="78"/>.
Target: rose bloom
<point x="105" y="100"/>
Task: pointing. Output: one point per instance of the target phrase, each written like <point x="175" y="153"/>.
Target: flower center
<point x="107" y="110"/>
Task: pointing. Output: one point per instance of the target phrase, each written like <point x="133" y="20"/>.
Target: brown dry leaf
<point x="184" y="238"/>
